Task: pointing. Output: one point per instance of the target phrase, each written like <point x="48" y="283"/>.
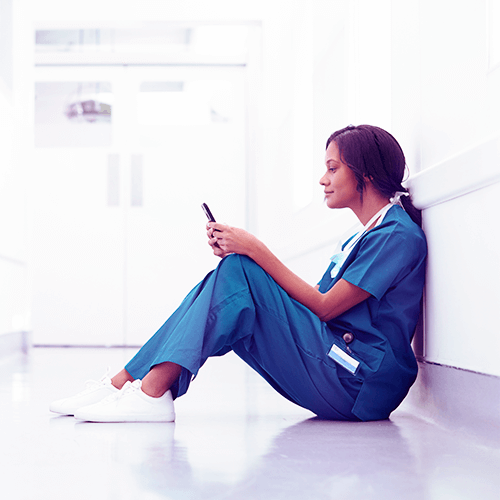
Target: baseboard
<point x="459" y="400"/>
<point x="14" y="343"/>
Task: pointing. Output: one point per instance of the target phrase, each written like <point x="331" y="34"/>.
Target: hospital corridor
<point x="119" y="119"/>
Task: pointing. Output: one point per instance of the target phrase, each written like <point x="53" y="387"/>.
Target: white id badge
<point x="343" y="359"/>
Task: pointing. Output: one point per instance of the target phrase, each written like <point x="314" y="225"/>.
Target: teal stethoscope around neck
<point x="344" y="247"/>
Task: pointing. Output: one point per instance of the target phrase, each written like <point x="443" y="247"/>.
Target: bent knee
<point x="236" y="265"/>
<point x="239" y="261"/>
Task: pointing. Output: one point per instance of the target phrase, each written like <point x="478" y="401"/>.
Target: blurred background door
<point x="119" y="236"/>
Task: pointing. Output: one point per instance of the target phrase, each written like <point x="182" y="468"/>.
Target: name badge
<point x="343" y="359"/>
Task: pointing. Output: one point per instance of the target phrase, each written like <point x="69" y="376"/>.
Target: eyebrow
<point x="331" y="160"/>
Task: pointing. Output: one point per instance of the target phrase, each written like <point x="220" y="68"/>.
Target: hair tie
<point x="396" y="199"/>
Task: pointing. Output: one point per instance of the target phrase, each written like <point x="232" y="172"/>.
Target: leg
<point x="120" y="378"/>
<point x="239" y="307"/>
<point x="160" y="378"/>
<point x="156" y="383"/>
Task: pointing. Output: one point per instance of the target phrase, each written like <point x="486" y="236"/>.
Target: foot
<point x="94" y="392"/>
<point x="130" y="404"/>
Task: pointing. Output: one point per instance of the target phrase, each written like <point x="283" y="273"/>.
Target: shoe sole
<point x="125" y="418"/>
<point x="66" y="413"/>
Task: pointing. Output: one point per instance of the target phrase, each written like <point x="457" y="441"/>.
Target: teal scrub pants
<point x="239" y="307"/>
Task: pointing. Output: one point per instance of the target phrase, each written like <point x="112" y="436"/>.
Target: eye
<point x="331" y="166"/>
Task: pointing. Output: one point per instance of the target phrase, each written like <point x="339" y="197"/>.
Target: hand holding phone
<point x="208" y="213"/>
<point x="210" y="217"/>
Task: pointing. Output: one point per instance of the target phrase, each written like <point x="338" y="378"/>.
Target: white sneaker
<point x="130" y="404"/>
<point x="93" y="393"/>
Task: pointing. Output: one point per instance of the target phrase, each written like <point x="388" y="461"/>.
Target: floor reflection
<point x="316" y="458"/>
<point x="338" y="460"/>
<point x="234" y="438"/>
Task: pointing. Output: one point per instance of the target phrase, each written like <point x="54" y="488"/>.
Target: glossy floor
<point x="234" y="438"/>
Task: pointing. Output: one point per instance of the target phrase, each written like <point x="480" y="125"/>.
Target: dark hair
<point x="371" y="152"/>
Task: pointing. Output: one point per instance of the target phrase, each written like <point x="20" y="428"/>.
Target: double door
<point x="118" y="232"/>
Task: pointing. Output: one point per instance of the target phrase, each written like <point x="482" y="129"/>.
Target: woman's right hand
<point x="226" y="240"/>
<point x="213" y="242"/>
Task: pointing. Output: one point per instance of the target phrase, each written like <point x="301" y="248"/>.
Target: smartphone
<point x="208" y="213"/>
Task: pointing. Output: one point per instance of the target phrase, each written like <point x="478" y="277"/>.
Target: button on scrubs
<point x="239" y="307"/>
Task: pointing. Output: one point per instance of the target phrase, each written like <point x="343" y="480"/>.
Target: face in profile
<point x="339" y="181"/>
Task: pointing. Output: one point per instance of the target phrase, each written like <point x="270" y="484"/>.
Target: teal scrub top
<point x="389" y="263"/>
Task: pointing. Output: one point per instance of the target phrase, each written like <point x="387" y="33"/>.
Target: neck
<point x="368" y="207"/>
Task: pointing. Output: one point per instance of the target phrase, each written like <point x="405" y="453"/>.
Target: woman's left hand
<point x="225" y="240"/>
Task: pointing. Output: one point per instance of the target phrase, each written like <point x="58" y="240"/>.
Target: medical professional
<point x="340" y="349"/>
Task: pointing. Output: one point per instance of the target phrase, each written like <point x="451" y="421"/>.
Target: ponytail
<point x="414" y="213"/>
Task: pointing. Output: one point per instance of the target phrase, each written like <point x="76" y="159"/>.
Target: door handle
<point x="136" y="181"/>
<point x="113" y="194"/>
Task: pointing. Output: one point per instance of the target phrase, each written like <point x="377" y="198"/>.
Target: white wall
<point x="300" y="229"/>
<point x="343" y="75"/>
<point x="13" y="274"/>
<point x="458" y="187"/>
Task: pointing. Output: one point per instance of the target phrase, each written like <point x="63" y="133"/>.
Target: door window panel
<point x="73" y="114"/>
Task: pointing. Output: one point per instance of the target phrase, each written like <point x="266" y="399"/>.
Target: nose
<point x="323" y="180"/>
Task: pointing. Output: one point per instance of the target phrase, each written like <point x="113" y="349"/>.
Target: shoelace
<point x="128" y="388"/>
<point x="90" y="385"/>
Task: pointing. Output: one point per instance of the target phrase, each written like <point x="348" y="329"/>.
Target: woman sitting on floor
<point x="340" y="349"/>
